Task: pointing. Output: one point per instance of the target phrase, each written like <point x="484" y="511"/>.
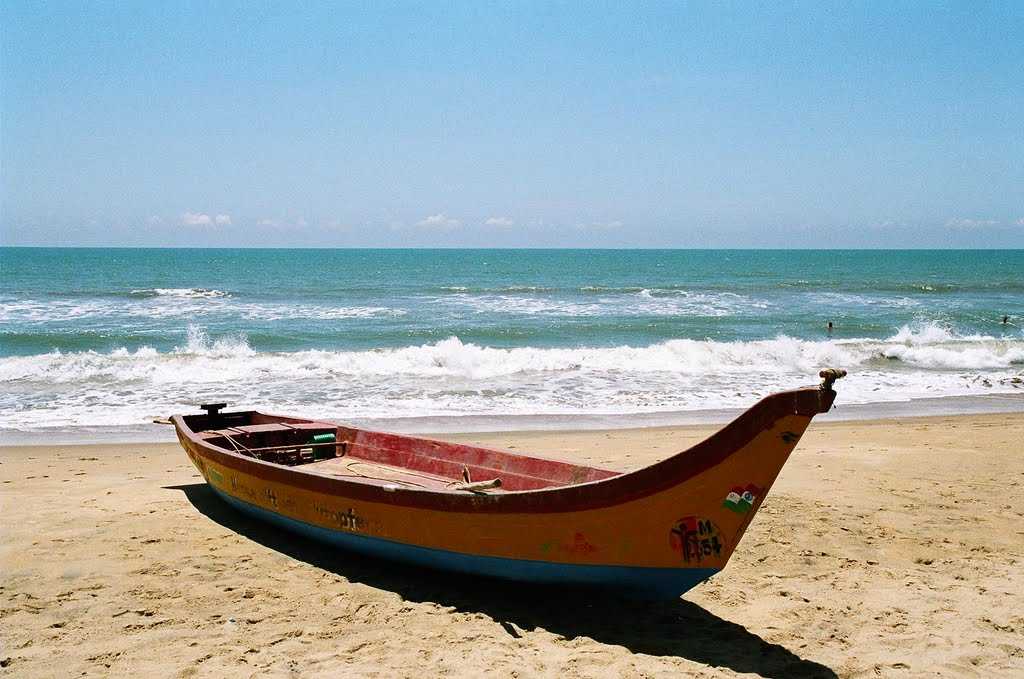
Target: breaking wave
<point x="451" y="377"/>
<point x="183" y="293"/>
<point x="638" y="302"/>
<point x="178" y="306"/>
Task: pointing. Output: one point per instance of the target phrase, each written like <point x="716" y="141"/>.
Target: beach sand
<point x="886" y="548"/>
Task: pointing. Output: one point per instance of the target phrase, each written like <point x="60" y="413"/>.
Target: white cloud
<point x="970" y="223"/>
<point x="196" y="219"/>
<point x="499" y="221"/>
<point x="154" y="220"/>
<point x="439" y="221"/>
<point x="1020" y="222"/>
<point x="282" y="223"/>
<point x="203" y="219"/>
<point x="614" y="224"/>
<point x="888" y="224"/>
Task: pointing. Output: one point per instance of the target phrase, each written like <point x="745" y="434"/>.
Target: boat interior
<point x="329" y="449"/>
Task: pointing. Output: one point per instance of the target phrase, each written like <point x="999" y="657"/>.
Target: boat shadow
<point x="675" y="628"/>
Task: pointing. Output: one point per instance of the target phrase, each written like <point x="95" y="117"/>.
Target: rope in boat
<point x="236" y="445"/>
<point x="465" y="483"/>
<point x="379" y="478"/>
<point x="240" y="448"/>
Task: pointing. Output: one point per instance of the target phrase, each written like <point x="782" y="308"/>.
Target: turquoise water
<point x="110" y="336"/>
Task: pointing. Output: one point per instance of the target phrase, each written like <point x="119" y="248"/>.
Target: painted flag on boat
<point x="741" y="499"/>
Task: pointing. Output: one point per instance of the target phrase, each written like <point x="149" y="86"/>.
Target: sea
<point x="94" y="343"/>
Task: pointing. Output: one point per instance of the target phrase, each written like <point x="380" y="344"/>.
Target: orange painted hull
<point x="658" y="530"/>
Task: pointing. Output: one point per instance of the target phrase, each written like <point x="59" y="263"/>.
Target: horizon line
<point x="513" y="248"/>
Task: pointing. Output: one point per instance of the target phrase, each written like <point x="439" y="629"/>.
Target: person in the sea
<point x="1006" y="320"/>
<point x="830" y="327"/>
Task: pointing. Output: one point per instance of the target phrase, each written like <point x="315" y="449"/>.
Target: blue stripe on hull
<point x="643" y="581"/>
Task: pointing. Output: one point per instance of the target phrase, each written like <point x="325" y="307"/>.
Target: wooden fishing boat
<point x="657" y="531"/>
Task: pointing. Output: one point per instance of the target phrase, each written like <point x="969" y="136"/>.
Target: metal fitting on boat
<point x="830" y="375"/>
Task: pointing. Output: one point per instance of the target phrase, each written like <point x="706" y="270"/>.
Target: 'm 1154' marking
<point x="696" y="538"/>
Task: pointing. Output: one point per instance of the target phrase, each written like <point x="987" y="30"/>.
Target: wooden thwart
<point x="293" y="446"/>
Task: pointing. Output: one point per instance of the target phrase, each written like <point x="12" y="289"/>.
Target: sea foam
<point x="188" y="293"/>
<point x="452" y="377"/>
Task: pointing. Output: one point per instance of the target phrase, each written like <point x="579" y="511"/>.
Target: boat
<point x="655" y="532"/>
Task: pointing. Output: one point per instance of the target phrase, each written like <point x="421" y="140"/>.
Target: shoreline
<point x="889" y="546"/>
<point x="496" y="424"/>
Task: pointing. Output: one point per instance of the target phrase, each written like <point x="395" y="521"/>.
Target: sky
<point x="869" y="124"/>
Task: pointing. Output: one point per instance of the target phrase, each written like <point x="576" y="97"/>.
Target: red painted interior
<point x="196" y="435"/>
<point x="444" y="460"/>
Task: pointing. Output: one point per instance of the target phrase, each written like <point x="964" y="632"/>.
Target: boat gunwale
<point x="597" y="494"/>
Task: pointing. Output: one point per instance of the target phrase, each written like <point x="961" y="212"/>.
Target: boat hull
<point x="637" y="581"/>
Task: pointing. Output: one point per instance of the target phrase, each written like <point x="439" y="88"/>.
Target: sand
<point x="887" y="548"/>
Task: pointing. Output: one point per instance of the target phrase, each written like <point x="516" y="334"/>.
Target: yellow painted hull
<point x="639" y="531"/>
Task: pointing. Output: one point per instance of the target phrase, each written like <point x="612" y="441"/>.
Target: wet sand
<point x="886" y="548"/>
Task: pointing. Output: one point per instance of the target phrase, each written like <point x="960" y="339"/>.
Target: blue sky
<point x="472" y="124"/>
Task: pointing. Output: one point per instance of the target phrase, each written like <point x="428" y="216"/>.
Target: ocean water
<point x="101" y="339"/>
